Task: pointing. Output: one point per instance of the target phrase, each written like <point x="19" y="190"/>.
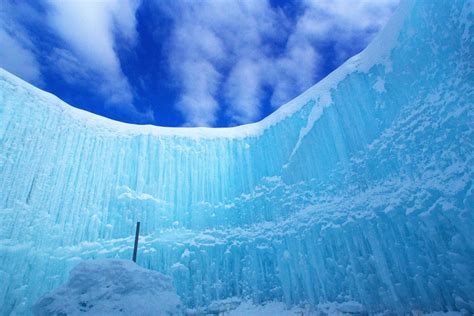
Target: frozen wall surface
<point x="361" y="189"/>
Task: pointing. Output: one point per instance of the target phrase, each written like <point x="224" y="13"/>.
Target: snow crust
<point x="111" y="287"/>
<point x="361" y="190"/>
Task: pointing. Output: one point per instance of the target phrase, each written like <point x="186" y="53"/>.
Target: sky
<point x="183" y="63"/>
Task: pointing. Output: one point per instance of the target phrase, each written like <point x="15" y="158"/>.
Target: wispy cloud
<point x="90" y="28"/>
<point x="294" y="71"/>
<point x="222" y="53"/>
<point x="83" y="40"/>
<point x="194" y="59"/>
<point x="226" y="58"/>
<point x="343" y="22"/>
<point x="210" y="40"/>
<point x="243" y="90"/>
<point x="17" y="52"/>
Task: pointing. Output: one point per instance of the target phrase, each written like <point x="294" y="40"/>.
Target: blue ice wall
<point x="359" y="189"/>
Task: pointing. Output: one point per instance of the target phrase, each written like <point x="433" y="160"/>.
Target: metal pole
<point x="135" y="246"/>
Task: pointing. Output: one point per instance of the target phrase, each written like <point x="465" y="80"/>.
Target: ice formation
<point x="111" y="287"/>
<point x="359" y="190"/>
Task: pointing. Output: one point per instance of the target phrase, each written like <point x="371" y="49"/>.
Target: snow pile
<point x="111" y="287"/>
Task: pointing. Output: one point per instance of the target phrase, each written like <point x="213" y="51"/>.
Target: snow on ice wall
<point x="361" y="189"/>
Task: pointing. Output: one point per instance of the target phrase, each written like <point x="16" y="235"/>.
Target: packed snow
<point x="111" y="287"/>
<point x="360" y="190"/>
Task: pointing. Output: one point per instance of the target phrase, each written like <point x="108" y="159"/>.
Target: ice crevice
<point x="359" y="190"/>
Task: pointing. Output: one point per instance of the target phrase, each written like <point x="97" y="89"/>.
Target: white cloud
<point x="243" y="91"/>
<point x="199" y="82"/>
<point x="70" y="67"/>
<point x="224" y="56"/>
<point x="222" y="53"/>
<point x="339" y="21"/>
<point x="343" y="21"/>
<point x="348" y="15"/>
<point x="17" y="52"/>
<point x="18" y="58"/>
<point x="209" y="40"/>
<point x="294" y="72"/>
<point x="90" y="28"/>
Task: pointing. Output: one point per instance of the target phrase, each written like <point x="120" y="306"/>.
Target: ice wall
<point x="361" y="189"/>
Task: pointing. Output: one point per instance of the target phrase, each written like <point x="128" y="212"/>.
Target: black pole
<point x="135" y="246"/>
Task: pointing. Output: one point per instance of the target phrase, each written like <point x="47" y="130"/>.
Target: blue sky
<point x="183" y="63"/>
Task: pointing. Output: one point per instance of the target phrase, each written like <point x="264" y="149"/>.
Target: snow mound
<point x="111" y="287"/>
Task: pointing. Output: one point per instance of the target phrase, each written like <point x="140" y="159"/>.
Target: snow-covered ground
<point x="121" y="287"/>
<point x="323" y="309"/>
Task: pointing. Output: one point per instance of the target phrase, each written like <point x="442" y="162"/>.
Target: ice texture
<point x="111" y="287"/>
<point x="359" y="190"/>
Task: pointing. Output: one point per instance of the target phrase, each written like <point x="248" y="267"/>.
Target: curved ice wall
<point x="360" y="189"/>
